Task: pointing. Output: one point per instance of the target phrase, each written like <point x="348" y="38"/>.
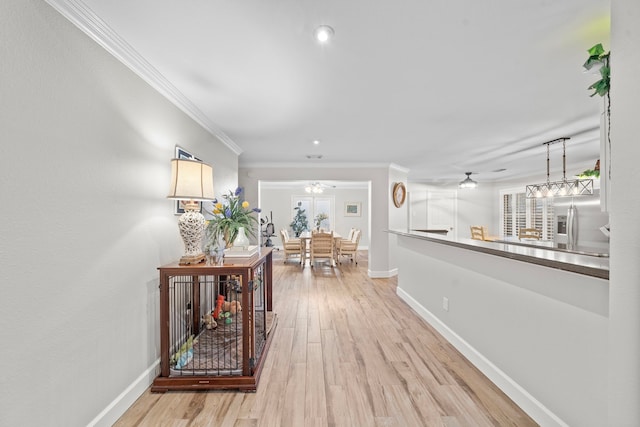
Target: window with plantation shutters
<point x="521" y="217"/>
<point x="519" y="212"/>
<point x="507" y="215"/>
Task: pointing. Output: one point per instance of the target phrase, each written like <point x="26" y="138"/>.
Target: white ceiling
<point x="437" y="87"/>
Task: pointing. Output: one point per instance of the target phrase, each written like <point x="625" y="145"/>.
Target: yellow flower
<point x="219" y="206"/>
<point x="245" y="204"/>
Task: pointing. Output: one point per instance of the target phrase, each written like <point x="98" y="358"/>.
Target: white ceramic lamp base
<point x="191" y="224"/>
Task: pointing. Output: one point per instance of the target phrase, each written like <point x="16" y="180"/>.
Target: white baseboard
<point x="120" y="404"/>
<point x="382" y="274"/>
<point x="536" y="410"/>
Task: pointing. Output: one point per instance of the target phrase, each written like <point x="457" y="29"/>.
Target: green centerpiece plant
<point x="300" y="222"/>
<point x="319" y="218"/>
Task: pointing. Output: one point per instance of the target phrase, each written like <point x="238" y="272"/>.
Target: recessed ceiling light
<point x="324" y="33"/>
<point x="316" y="142"/>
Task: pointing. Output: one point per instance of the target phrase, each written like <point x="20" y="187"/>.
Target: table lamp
<point x="191" y="181"/>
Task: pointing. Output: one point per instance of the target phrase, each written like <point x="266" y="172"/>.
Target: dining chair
<point x="350" y="236"/>
<point x="291" y="247"/>
<point x="477" y="232"/>
<point x="529" y="233"/>
<point x="480" y="232"/>
<point x="349" y="247"/>
<point x="322" y="247"/>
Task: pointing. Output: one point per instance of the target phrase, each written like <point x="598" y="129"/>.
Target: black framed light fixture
<point x="563" y="188"/>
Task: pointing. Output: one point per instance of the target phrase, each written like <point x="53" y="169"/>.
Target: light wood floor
<point x="346" y="352"/>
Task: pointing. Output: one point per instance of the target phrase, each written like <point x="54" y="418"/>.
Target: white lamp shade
<point x="191" y="180"/>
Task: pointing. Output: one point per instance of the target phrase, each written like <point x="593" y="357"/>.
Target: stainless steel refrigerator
<point x="579" y="223"/>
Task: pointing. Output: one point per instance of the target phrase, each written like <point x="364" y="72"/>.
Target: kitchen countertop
<point x="551" y="245"/>
<point x="577" y="262"/>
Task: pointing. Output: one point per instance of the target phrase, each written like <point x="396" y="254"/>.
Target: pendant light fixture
<point x="468" y="182"/>
<point x="565" y="187"/>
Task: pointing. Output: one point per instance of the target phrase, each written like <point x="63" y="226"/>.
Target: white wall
<point x="624" y="351"/>
<point x="539" y="333"/>
<point x="479" y="206"/>
<point x="278" y="202"/>
<point x="84" y="171"/>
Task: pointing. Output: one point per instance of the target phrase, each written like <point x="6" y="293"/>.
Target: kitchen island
<point x="592" y="263"/>
<point x="555" y="246"/>
<point x="533" y="320"/>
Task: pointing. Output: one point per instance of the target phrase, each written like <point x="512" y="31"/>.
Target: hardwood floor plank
<point x="386" y="422"/>
<point x="214" y="409"/>
<point x="401" y="407"/>
<point x="337" y="408"/>
<point x="313" y="325"/>
<point x="347" y="351"/>
<point x="139" y="410"/>
<point x="315" y="398"/>
<point x="270" y="411"/>
<point x="286" y="348"/>
<point x="246" y="422"/>
<point x="294" y="396"/>
<point x="456" y="402"/>
<point x="358" y="398"/>
<point x="168" y="411"/>
<point x="248" y="403"/>
<point x="418" y="392"/>
<point x="375" y="394"/>
<point x="331" y="359"/>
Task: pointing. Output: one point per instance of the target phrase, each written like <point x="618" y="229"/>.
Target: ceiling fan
<point x="317" y="187"/>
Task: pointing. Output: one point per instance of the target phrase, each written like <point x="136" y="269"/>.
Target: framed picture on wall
<point x="181" y="153"/>
<point x="352" y="209"/>
<point x="180" y="207"/>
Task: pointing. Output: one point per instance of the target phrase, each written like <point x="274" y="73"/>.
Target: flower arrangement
<point x="319" y="218"/>
<point x="228" y="216"/>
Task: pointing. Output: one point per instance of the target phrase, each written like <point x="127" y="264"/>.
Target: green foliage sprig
<point x="589" y="173"/>
<point x="598" y="57"/>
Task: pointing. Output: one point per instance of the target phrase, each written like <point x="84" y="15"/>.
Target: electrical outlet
<point x="445" y="303"/>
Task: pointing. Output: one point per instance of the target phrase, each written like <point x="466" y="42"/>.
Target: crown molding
<point x="309" y="164"/>
<point x="399" y="168"/>
<point x="82" y="17"/>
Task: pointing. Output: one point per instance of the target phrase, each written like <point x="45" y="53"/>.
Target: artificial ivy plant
<point x="598" y="57"/>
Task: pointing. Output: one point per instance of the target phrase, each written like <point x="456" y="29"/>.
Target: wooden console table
<point x="230" y="356"/>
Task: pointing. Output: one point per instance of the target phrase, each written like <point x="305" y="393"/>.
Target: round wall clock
<point x="399" y="194"/>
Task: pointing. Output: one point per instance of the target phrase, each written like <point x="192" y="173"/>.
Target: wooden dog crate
<point x="195" y="355"/>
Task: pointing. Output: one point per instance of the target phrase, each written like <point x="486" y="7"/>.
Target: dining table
<point x="305" y="239"/>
